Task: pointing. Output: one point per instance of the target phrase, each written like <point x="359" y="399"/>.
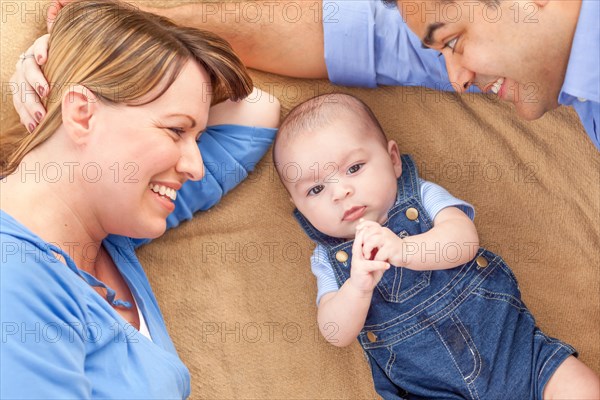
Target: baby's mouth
<point x="354" y="213"/>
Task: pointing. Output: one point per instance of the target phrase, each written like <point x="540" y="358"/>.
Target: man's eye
<point x="313" y="191"/>
<point x="451" y="44"/>
<point x="355" y="168"/>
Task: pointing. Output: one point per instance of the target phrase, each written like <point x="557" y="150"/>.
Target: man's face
<point x="514" y="48"/>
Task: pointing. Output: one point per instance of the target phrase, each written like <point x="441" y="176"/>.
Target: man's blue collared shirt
<point x="368" y="44"/>
<point x="581" y="88"/>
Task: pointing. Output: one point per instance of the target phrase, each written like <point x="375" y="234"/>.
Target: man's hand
<point x="53" y="11"/>
<point x="379" y="243"/>
<point x="365" y="273"/>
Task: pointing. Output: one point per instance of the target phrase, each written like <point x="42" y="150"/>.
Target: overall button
<point x="412" y="213"/>
<point x="371" y="336"/>
<point x="341" y="256"/>
<point x="481" y="261"/>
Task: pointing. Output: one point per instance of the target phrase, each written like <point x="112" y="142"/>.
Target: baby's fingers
<point x="357" y="247"/>
<point x="371" y="245"/>
<point x="372" y="266"/>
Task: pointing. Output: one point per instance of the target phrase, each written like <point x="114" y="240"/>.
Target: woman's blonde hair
<point x="121" y="54"/>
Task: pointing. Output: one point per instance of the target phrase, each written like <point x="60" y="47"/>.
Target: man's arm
<point x="283" y="37"/>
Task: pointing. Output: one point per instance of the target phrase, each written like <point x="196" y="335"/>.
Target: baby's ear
<point x="395" y="156"/>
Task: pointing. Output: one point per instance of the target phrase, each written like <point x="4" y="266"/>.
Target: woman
<point x="129" y="97"/>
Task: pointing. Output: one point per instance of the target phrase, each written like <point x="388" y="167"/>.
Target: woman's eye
<point x="354" y="169"/>
<point x="177" y="131"/>
<point x="315" y="190"/>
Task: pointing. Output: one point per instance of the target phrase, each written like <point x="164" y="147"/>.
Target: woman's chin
<point x="149" y="232"/>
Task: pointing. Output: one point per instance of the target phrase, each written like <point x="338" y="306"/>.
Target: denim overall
<point x="460" y="333"/>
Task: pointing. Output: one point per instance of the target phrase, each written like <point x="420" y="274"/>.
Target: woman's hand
<point x="30" y="85"/>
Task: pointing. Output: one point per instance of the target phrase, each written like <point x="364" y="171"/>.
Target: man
<point x="538" y="54"/>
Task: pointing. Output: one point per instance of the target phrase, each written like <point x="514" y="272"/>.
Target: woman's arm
<point x="258" y="109"/>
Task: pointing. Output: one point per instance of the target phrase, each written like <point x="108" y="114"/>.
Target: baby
<point x="398" y="265"/>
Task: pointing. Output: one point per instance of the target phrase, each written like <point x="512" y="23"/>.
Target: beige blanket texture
<point x="234" y="284"/>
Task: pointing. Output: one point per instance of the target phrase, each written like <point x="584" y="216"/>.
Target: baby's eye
<point x="315" y="190"/>
<point x="355" y="168"/>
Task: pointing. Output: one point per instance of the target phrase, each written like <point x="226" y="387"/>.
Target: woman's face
<point x="138" y="151"/>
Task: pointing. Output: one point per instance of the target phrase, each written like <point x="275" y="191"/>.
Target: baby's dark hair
<point x="324" y="110"/>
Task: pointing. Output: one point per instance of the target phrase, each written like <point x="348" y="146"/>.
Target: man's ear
<point x="395" y="156"/>
<point x="78" y="107"/>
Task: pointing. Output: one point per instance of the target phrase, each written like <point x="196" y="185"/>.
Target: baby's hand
<point x="365" y="274"/>
<point x="379" y="243"/>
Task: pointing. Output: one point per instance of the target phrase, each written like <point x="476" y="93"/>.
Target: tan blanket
<point x="235" y="285"/>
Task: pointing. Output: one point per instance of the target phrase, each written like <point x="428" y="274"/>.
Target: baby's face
<point x="340" y="174"/>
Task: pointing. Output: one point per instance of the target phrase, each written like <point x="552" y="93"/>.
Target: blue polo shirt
<point x="581" y="88"/>
<point x="62" y="340"/>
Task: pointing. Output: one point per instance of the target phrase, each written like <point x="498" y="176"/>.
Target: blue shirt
<point x="434" y="197"/>
<point x="368" y="44"/>
<point x="62" y="340"/>
<point x="581" y="88"/>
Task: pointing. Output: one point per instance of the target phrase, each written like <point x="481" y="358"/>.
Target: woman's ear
<point x="78" y="107"/>
<point x="395" y="156"/>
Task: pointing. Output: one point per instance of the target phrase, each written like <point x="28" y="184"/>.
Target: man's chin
<point x="530" y="111"/>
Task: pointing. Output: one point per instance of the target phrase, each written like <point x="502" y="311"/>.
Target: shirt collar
<point x="582" y="79"/>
